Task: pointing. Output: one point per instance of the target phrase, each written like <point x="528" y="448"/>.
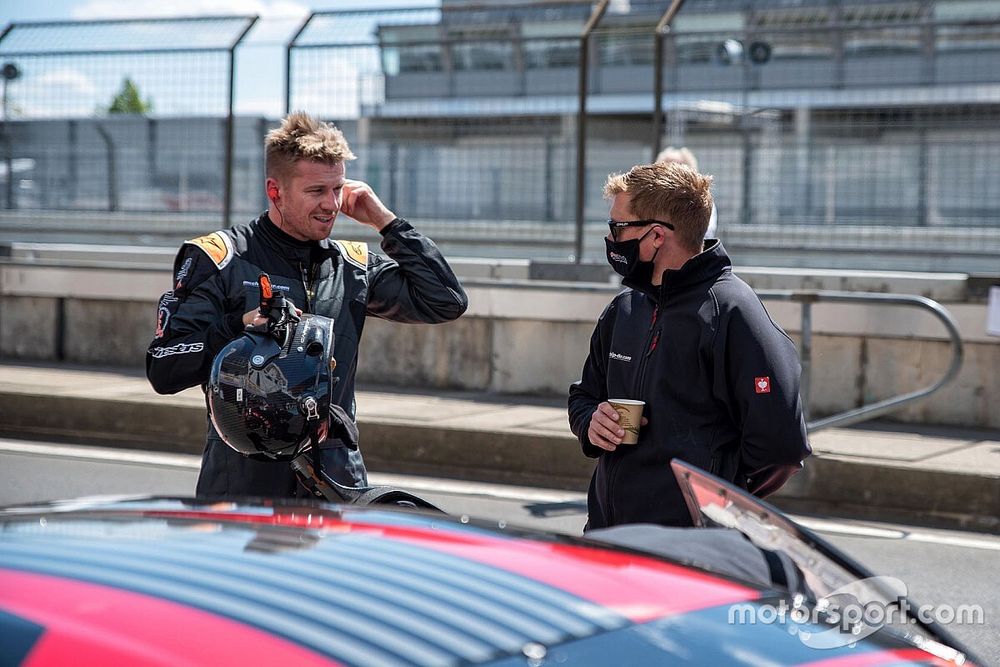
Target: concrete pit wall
<point x="529" y="337"/>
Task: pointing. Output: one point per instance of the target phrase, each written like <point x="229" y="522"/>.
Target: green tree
<point x="128" y="100"/>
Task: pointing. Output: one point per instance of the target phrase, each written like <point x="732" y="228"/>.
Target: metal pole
<point x="227" y="204"/>
<point x="261" y="138"/>
<point x="393" y="169"/>
<point x="747" y="141"/>
<point x="805" y="357"/>
<point x="8" y="159"/>
<point x="581" y="125"/>
<point x="662" y="28"/>
<point x="72" y="164"/>
<point x="288" y="63"/>
<point x="109" y="144"/>
<point x="657" y="95"/>
<point x="151" y="152"/>
<point x="923" y="171"/>
<point x="10" y="72"/>
<point x="227" y="169"/>
<point x="549" y="160"/>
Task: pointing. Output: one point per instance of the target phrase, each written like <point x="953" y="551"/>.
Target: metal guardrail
<point x="806" y="299"/>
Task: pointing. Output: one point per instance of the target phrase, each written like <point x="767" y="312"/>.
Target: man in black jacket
<point x="719" y="378"/>
<point x="215" y="292"/>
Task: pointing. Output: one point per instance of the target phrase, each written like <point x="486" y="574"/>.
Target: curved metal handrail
<point x="808" y="297"/>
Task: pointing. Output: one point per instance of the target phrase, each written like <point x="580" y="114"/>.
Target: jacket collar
<point x="706" y="265"/>
<point x="288" y="246"/>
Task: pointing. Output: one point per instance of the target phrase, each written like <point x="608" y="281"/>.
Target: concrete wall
<point x="533" y="357"/>
<point x="531" y="337"/>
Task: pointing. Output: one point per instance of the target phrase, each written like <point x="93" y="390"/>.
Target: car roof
<point x="324" y="584"/>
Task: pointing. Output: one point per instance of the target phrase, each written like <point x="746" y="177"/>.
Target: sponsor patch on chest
<point x="614" y="356"/>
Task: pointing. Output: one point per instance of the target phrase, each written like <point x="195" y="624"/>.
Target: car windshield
<point x="828" y="573"/>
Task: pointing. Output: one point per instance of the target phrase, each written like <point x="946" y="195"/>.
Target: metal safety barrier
<point x="806" y="299"/>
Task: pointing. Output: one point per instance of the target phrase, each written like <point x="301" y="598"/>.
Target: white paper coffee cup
<point x="629" y="417"/>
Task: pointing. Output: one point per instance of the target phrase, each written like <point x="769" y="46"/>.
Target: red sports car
<point x="185" y="582"/>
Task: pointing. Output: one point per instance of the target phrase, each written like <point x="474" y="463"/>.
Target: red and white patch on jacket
<point x="762" y="385"/>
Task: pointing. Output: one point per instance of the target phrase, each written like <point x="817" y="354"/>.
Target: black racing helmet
<point x="270" y="394"/>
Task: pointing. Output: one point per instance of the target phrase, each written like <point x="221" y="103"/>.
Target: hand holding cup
<point x="608" y="427"/>
<point x="629" y="417"/>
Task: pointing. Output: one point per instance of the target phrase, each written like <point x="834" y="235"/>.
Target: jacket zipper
<point x="307" y="285"/>
<point x="652" y="339"/>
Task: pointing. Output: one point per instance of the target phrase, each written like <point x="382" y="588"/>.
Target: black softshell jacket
<point x="720" y="380"/>
<point x="216" y="282"/>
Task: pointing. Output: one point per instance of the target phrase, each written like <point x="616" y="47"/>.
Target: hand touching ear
<point x="361" y="203"/>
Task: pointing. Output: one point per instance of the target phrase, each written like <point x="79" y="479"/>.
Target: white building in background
<point x="832" y="127"/>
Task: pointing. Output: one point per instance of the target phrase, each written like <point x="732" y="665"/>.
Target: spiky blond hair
<point x="302" y="137"/>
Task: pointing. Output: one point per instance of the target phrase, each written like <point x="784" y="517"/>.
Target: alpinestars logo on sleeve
<point x="182" y="273"/>
<point x="180" y="348"/>
<point x="762" y="385"/>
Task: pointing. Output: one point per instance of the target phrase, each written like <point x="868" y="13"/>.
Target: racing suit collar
<point x="706" y="265"/>
<point x="273" y="233"/>
<point x="288" y="246"/>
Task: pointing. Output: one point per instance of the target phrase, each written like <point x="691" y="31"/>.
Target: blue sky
<point x="260" y="62"/>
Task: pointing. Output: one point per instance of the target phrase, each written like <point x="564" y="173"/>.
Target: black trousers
<point x="226" y="473"/>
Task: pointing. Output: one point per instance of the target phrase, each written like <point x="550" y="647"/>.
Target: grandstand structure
<point x="841" y="133"/>
<point x="844" y="134"/>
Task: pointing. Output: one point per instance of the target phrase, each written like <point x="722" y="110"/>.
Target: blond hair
<point x="682" y="155"/>
<point x="671" y="192"/>
<point x="302" y="137"/>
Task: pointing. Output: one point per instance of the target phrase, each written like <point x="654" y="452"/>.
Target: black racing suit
<point x="216" y="282"/>
<point x="721" y="384"/>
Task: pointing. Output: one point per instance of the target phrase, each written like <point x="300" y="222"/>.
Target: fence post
<point x="8" y="159"/>
<point x="109" y="144"/>
<point x="805" y="356"/>
<point x="662" y="28"/>
<point x="72" y="161"/>
<point x="923" y="176"/>
<point x="227" y="205"/>
<point x="288" y="62"/>
<point x="581" y="124"/>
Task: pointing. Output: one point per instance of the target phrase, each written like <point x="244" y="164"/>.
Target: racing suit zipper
<point x="307" y="286"/>
<point x="652" y="339"/>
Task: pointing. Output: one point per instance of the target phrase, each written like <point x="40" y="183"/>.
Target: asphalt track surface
<point x="940" y="567"/>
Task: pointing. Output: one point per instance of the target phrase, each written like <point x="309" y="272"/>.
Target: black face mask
<point x="623" y="256"/>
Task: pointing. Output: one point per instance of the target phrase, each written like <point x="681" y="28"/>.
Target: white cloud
<point x="105" y="9"/>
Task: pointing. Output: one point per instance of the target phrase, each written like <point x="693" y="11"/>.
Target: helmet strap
<point x="308" y="466"/>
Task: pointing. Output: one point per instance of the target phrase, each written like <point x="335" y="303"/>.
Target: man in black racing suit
<point x="719" y="378"/>
<point x="215" y="292"/>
